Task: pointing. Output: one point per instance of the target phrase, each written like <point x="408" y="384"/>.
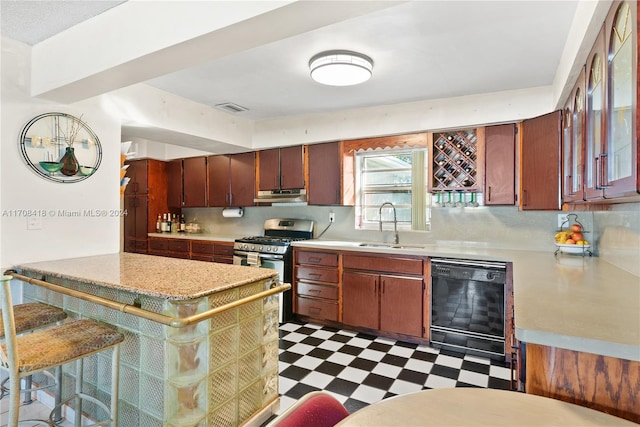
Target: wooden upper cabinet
<point x="540" y="162"/>
<point x="324" y="174"/>
<point x="231" y="180"/>
<point x="269" y="176"/>
<point x="218" y="180"/>
<point x="619" y="159"/>
<point x="292" y="167"/>
<point x="174" y="183"/>
<point x="281" y="168"/>
<point x="194" y="182"/>
<point x="137" y="174"/>
<point x="243" y="179"/>
<point x="595" y="116"/>
<point x="500" y="164"/>
<point x="573" y="143"/>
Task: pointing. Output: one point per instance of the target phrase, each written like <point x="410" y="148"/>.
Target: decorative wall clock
<point x="60" y="147"/>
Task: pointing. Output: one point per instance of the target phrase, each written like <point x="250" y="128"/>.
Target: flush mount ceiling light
<point x="340" y="68"/>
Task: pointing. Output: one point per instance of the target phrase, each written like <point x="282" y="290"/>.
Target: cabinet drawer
<point x="203" y="248"/>
<point x="317" y="291"/>
<point x="387" y="264"/>
<point x="158" y="244"/>
<point x="319" y="274"/>
<point x="141" y="246"/>
<point x="317" y="258"/>
<point x="178" y="245"/>
<point x="182" y="255"/>
<point x="223" y="249"/>
<point x="201" y="257"/>
<point x="317" y="309"/>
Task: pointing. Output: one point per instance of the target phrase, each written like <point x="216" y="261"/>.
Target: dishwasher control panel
<point x="468" y="270"/>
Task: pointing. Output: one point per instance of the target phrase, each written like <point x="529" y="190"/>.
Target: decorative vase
<point x="69" y="162"/>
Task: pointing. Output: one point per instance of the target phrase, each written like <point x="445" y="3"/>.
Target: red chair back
<point x="316" y="409"/>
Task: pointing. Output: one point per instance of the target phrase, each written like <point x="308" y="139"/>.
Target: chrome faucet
<point x="396" y="238"/>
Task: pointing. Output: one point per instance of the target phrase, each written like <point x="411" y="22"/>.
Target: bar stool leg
<point x="28" y="383"/>
<point x="78" y="399"/>
<point x="57" y="417"/>
<point x="115" y="384"/>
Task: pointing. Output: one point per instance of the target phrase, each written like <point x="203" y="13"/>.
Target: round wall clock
<point x="60" y="147"/>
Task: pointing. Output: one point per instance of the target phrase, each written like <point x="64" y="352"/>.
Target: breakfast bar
<point x="201" y="339"/>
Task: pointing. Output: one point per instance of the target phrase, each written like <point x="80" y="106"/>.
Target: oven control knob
<point x="268" y="248"/>
<point x="253" y="248"/>
<point x="491" y="275"/>
<point x="260" y="248"/>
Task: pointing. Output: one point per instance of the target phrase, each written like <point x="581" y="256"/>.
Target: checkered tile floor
<point x="361" y="369"/>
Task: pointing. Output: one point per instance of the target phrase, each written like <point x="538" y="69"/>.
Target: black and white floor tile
<point x="360" y="369"/>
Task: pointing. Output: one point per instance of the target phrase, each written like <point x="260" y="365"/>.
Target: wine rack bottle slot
<point x="454" y="161"/>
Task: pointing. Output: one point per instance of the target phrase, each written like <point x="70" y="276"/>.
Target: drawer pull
<point x="315" y="309"/>
<point x="315" y="259"/>
<point x="315" y="274"/>
<point x="314" y="290"/>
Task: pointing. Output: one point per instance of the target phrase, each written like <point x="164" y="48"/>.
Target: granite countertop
<point x="194" y="236"/>
<point x="572" y="302"/>
<point x="169" y="278"/>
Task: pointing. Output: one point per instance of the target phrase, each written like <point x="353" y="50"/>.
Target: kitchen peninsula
<point x="178" y="365"/>
<point x="578" y="316"/>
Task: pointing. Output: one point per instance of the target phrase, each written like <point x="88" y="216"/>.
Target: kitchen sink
<point x="389" y="246"/>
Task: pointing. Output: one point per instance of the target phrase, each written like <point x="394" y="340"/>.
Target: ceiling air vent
<point x="230" y="107"/>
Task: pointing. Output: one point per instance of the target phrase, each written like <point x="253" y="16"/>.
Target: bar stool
<point x="29" y="317"/>
<point x="51" y="347"/>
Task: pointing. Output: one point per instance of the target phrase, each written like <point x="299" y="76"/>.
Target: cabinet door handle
<point x="524" y="198"/>
<point x="489" y="194"/>
<point x="604" y="182"/>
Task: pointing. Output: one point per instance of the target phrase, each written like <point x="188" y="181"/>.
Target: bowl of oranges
<point x="572" y="241"/>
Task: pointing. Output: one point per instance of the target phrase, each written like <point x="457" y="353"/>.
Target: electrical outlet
<point x="562" y="218"/>
<point x="332" y="217"/>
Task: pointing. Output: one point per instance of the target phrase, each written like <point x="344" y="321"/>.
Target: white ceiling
<point x="421" y="50"/>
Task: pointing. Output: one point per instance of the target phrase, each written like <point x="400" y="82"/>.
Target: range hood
<point x="281" y="196"/>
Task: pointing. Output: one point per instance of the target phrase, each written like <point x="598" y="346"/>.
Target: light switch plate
<point x="562" y="218"/>
<point x="34" y="223"/>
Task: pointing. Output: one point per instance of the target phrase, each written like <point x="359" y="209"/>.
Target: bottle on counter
<point x="183" y="224"/>
<point x="168" y="223"/>
<point x="175" y="225"/>
<point x="163" y="224"/>
<point x="159" y="224"/>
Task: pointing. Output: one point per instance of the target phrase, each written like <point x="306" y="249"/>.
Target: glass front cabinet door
<point x="595" y="119"/>
<point x="619" y="159"/>
<point x="573" y="143"/>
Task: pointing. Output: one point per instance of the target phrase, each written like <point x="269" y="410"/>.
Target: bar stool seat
<point x="54" y="346"/>
<point x="33" y="315"/>
<point x="29" y="317"/>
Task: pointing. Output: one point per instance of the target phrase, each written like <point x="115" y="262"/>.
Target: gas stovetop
<point x="279" y="233"/>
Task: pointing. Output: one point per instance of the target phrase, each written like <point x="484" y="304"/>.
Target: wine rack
<point x="455" y="161"/>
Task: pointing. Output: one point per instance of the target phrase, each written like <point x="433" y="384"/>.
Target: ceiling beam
<point x="138" y="41"/>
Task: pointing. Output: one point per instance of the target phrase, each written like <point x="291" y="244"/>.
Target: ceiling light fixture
<point x="340" y="68"/>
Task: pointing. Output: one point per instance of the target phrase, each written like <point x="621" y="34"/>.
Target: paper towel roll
<point x="232" y="212"/>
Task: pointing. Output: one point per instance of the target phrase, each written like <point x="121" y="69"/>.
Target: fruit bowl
<point x="51" y="167"/>
<point x="573" y="249"/>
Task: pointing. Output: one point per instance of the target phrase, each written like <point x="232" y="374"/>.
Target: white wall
<point x="21" y="188"/>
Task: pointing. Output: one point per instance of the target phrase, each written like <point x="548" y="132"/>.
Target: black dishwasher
<point x="468" y="306"/>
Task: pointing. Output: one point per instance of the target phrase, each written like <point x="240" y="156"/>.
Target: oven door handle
<point x="260" y="255"/>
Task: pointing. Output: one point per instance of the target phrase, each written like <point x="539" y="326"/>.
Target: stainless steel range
<point x="273" y="250"/>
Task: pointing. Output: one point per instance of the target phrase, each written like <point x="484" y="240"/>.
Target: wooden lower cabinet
<point x="383" y="293"/>
<point x="316" y="287"/>
<point x="603" y="383"/>
<point x="383" y="302"/>
<point x="199" y="250"/>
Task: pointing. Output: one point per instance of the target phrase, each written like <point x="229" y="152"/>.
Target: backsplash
<point x="500" y="227"/>
<point x="619" y="231"/>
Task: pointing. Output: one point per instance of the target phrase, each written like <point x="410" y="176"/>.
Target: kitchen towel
<point x="253" y="259"/>
<point x="232" y="212"/>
